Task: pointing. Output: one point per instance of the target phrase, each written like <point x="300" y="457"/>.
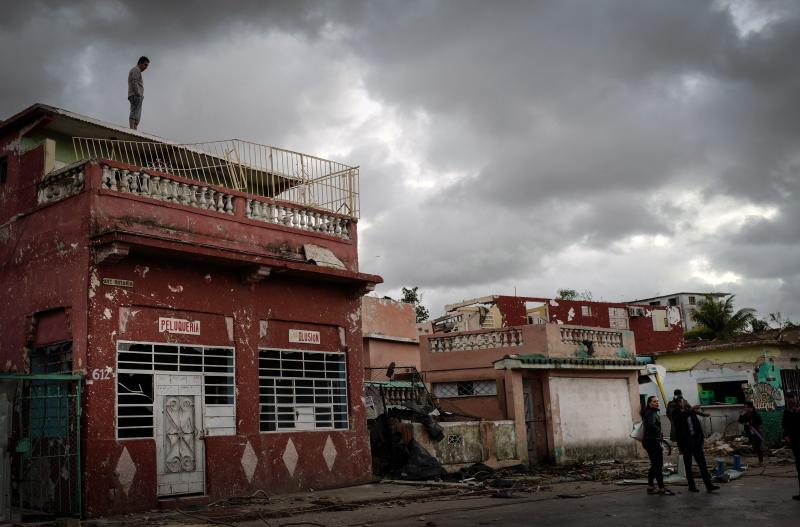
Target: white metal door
<point x="180" y="456"/>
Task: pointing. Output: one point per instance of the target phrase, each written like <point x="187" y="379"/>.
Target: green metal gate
<point x="47" y="465"/>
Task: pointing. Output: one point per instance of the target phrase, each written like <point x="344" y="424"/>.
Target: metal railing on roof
<point x="240" y="165"/>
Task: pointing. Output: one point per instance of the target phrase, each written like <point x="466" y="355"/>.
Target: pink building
<point x="564" y="371"/>
<point x="390" y="333"/>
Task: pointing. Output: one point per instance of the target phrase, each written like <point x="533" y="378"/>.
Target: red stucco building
<point x="208" y="297"/>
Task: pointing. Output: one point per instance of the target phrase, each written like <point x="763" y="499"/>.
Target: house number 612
<point x="102" y="374"/>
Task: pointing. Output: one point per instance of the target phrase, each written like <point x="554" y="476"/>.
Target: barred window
<point x="302" y="390"/>
<point x="464" y="388"/>
<point x="137" y="362"/>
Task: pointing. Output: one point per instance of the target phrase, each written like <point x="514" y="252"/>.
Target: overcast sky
<point x="628" y="148"/>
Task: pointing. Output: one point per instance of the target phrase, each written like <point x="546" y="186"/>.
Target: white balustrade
<point x="504" y="338"/>
<point x="298" y="218"/>
<point x="140" y="183"/>
<point x="600" y="337"/>
<point x="60" y="184"/>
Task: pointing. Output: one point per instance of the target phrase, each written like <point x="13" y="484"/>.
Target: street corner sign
<point x="302" y="336"/>
<point x="178" y="325"/>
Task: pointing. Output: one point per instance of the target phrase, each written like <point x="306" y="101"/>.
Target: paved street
<point x="762" y="500"/>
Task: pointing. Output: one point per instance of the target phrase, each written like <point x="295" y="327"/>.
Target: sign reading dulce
<point x="301" y="336"/>
<point x="178" y="325"/>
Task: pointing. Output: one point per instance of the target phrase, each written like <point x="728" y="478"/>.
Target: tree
<point x="773" y="321"/>
<point x="716" y="319"/>
<point x="573" y="294"/>
<point x="414" y="297"/>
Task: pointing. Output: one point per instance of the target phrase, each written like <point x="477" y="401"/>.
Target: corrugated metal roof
<point x="39" y="109"/>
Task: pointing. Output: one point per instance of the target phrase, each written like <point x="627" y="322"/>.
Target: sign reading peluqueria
<point x="178" y="325"/>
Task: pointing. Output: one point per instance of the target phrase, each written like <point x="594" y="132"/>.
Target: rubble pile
<point x="717" y="446"/>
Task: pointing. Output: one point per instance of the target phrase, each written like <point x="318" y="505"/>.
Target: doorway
<point x="180" y="452"/>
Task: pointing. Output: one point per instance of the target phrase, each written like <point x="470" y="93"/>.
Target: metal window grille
<point x="138" y="361"/>
<point x="464" y="388"/>
<point x="791" y="380"/>
<point x="47" y="476"/>
<point x="302" y="390"/>
<point x="56" y="358"/>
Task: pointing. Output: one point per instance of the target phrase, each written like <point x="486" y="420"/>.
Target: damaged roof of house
<point x="535" y="359"/>
<point x="774" y="337"/>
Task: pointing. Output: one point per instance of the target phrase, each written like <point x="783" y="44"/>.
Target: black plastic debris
<point x="420" y="464"/>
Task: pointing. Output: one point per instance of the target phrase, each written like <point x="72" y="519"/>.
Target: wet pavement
<point x="762" y="497"/>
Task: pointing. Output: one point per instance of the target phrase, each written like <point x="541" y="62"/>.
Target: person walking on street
<point x="136" y="91"/>
<point x="651" y="441"/>
<point x="690" y="441"/>
<point x="791" y="431"/>
<point x="670" y="409"/>
<point x="752" y="422"/>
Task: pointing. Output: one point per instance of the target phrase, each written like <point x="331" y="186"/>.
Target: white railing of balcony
<point x="60" y="184"/>
<point x="140" y="183"/>
<point x="599" y="337"/>
<point x="284" y="175"/>
<point x="501" y="338"/>
<point x="298" y="218"/>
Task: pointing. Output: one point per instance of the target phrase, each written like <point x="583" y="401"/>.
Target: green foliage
<point x="716" y="319"/>
<point x="573" y="294"/>
<point x="773" y="321"/>
<point x="414" y="297"/>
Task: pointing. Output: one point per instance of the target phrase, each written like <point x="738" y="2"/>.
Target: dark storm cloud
<point x="528" y="130"/>
<point x="41" y="41"/>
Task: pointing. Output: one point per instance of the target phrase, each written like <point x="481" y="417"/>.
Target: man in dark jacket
<point x="690" y="440"/>
<point x="791" y="431"/>
<point x="677" y="396"/>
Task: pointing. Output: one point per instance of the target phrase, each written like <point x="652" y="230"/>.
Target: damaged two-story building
<point x="180" y="322"/>
<point x="565" y="371"/>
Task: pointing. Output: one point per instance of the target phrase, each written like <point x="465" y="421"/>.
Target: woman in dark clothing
<point x="752" y="428"/>
<point x="690" y="440"/>
<point x="652" y="443"/>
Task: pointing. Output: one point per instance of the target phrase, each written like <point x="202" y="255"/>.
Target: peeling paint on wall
<point x="570" y="314"/>
<point x="94" y="283"/>
<point x="175" y="289"/>
<point x="124" y="313"/>
<point x="673" y="315"/>
<point x="229" y="327"/>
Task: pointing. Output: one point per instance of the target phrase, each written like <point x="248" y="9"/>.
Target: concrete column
<point x="515" y="409"/>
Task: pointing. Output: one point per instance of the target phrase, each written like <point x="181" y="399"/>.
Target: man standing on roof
<point x="136" y="91"/>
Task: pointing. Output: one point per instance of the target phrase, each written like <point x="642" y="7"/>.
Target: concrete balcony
<point x="477" y="349"/>
<point x="130" y="208"/>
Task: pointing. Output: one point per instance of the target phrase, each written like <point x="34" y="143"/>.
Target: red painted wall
<point x="47" y="272"/>
<point x="209" y="294"/>
<point x="647" y="339"/>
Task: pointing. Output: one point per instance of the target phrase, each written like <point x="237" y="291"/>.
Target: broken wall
<point x="466" y="443"/>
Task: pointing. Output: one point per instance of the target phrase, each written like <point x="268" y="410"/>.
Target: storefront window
<point x="137" y="362"/>
<point x="302" y="390"/>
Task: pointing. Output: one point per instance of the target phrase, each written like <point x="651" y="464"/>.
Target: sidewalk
<point x="261" y="506"/>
